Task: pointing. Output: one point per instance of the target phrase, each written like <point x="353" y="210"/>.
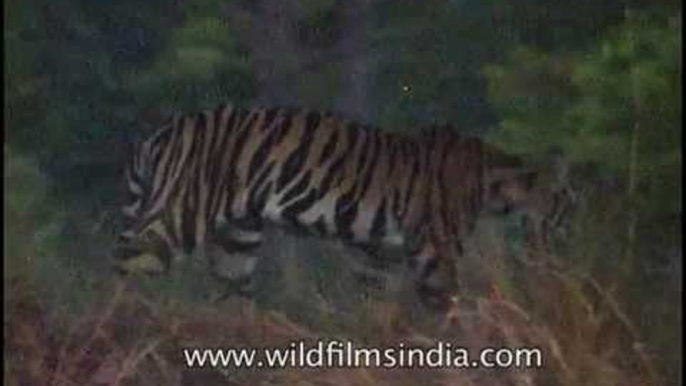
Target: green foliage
<point x="530" y="90"/>
<point x="83" y="78"/>
<point x="614" y="110"/>
<point x="319" y="23"/>
<point x="430" y="54"/>
<point x="589" y="105"/>
<point x="202" y="65"/>
<point x="25" y="195"/>
<point x="36" y="231"/>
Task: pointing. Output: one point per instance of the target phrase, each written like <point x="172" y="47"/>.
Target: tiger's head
<point x="480" y="177"/>
<point x="507" y="182"/>
<point x="472" y="179"/>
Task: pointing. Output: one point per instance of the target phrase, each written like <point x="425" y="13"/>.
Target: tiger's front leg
<point x="232" y="257"/>
<point x="435" y="276"/>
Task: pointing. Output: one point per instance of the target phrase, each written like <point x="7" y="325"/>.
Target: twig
<point x="132" y="361"/>
<point x="97" y="329"/>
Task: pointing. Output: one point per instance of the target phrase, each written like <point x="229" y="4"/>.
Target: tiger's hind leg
<point x="232" y="255"/>
<point x="376" y="268"/>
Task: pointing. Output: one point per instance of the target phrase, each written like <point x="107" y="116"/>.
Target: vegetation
<point x="596" y="82"/>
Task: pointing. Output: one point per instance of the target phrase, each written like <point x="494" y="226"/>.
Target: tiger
<point x="215" y="178"/>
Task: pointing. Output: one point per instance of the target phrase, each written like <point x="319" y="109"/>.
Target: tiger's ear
<point x="521" y="176"/>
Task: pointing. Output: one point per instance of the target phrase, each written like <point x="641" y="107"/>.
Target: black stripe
<point x="230" y="189"/>
<point x="257" y="203"/>
<point x="373" y="165"/>
<point x="353" y="133"/>
<point x="173" y="163"/>
<point x="170" y="225"/>
<point x="292" y="211"/>
<point x="262" y="153"/>
<point x="242" y="138"/>
<point x="379" y="223"/>
<point x="188" y="223"/>
<point x="212" y="157"/>
<point x="411" y="182"/>
<point x="201" y="122"/>
<point x="392" y="154"/>
<point x="361" y="161"/>
<point x="297" y="158"/>
<point x="328" y="148"/>
<point x="297" y="189"/>
<point x="154" y="151"/>
<point x="227" y="130"/>
<point x="269" y="117"/>
<point x="444" y="201"/>
<point x="200" y="130"/>
<point x="215" y="147"/>
<point x="216" y="163"/>
<point x="210" y="140"/>
<point x="338" y="165"/>
<point x="346" y="211"/>
<point x="196" y="184"/>
<point x="333" y="171"/>
<point x="286" y="124"/>
<point x="161" y="139"/>
<point x="155" y="195"/>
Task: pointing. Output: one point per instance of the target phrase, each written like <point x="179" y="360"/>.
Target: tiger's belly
<point x="367" y="225"/>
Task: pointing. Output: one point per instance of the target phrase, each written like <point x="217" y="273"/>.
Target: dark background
<point x="598" y="81"/>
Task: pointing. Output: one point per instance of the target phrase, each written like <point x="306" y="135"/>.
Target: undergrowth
<point x="72" y="323"/>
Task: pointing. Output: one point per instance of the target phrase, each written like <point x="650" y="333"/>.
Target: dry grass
<point x="130" y="340"/>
